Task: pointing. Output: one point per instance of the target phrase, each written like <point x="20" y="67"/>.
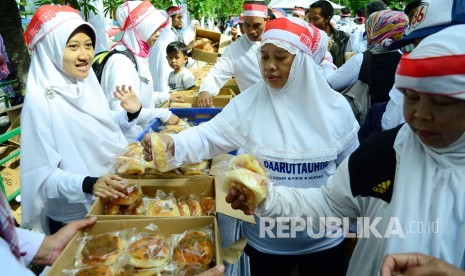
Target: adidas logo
<point x="382" y="187"/>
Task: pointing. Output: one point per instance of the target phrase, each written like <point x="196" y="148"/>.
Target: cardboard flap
<point x="233" y="253"/>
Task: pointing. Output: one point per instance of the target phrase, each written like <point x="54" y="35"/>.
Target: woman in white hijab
<point x="69" y="136"/>
<point x="406" y="184"/>
<point x="141" y="24"/>
<point x="298" y="126"/>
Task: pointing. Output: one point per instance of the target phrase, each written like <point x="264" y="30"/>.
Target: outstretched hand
<point x="167" y="142"/>
<point x="109" y="186"/>
<point x="129" y="99"/>
<point x="205" y="100"/>
<point x="237" y="201"/>
<point x="53" y="245"/>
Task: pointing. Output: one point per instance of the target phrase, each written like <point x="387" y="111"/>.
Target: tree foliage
<point x="85" y="6"/>
<point x="360" y="4"/>
<point x="12" y="33"/>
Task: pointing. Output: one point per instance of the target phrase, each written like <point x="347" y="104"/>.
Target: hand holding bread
<point x="158" y="148"/>
<point x="246" y="183"/>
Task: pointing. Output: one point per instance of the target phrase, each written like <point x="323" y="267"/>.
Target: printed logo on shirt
<point x="295" y="168"/>
<point x="382" y="187"/>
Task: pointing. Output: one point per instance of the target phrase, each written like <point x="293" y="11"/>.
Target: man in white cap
<point x="239" y="60"/>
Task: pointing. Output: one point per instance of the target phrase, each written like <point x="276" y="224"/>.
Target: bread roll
<point x="163" y="208"/>
<point x="180" y="105"/>
<point x="134" y="150"/>
<point x="195" y="248"/>
<point x="184" y="209"/>
<point x="129" y="165"/>
<point x="208" y="205"/>
<point x="101" y="249"/>
<point x="194" y="207"/>
<point x="103" y="270"/>
<point x="195" y="169"/>
<point x="249" y="162"/>
<point x="160" y="157"/>
<point x="133" y="194"/>
<point x="150" y="251"/>
<point x="249" y="183"/>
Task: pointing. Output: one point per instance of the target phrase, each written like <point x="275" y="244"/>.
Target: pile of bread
<point x="206" y="44"/>
<point x="129" y="252"/>
<point x="161" y="205"/>
<point x="131" y="161"/>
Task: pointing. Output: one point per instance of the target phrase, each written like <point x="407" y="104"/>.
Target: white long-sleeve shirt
<point x="411" y="202"/>
<point x="206" y="141"/>
<point x="346" y="75"/>
<point x="120" y="70"/>
<point x="239" y="60"/>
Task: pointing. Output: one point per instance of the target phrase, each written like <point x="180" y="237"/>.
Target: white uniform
<point x="119" y="70"/>
<point x="159" y="66"/>
<point x="67" y="132"/>
<point x="239" y="60"/>
<point x="427" y="197"/>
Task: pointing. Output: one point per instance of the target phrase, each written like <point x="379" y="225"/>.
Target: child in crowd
<point x="181" y="78"/>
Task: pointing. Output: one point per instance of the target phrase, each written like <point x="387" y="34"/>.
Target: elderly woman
<point x="69" y="136"/>
<point x="291" y="119"/>
<point x="405" y="185"/>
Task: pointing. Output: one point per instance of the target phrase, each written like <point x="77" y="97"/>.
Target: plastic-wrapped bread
<point x="182" y="105"/>
<point x="249" y="183"/>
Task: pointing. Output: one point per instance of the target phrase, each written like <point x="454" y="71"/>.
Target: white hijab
<point x="305" y="121"/>
<point x="146" y="21"/>
<point x="66" y="124"/>
<point x="429" y="184"/>
<point x="189" y="33"/>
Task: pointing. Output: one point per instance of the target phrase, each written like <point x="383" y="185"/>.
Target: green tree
<point x="12" y="33"/>
<point x="81" y="5"/>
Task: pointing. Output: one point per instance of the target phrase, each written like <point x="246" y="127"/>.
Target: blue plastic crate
<point x="193" y="115"/>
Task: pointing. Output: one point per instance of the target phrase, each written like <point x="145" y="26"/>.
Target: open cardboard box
<point x="218" y="101"/>
<point x="205" y="186"/>
<point x="167" y="226"/>
<point x="225" y="91"/>
<point x="10" y="170"/>
<point x="215" y="37"/>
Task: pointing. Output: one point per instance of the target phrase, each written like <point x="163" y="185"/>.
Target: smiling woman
<point x="68" y="133"/>
<point x="79" y="52"/>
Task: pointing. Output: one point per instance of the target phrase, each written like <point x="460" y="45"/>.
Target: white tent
<point x="290" y="4"/>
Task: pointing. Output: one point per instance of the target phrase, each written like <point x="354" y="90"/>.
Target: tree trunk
<point x="12" y="33"/>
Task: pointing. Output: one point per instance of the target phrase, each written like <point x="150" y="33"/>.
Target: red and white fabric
<point x="436" y="65"/>
<point x="255" y="10"/>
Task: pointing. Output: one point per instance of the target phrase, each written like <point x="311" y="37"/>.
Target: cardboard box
<point x="218" y="101"/>
<point x="167" y="226"/>
<point x="10" y="171"/>
<point x="217" y="38"/>
<point x="225" y="91"/>
<point x="206" y="186"/>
